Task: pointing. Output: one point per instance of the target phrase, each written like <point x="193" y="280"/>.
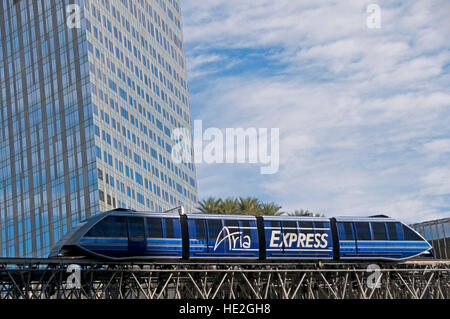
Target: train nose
<point x="429" y="252"/>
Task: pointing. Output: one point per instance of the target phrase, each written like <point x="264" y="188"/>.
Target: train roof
<point x="219" y="216"/>
<point x="128" y="212"/>
<point x="289" y="217"/>
<point x="381" y="218"/>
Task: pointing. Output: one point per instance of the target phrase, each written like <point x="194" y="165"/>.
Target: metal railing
<point x="84" y="279"/>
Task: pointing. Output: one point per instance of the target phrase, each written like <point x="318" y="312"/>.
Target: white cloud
<point x="438" y="181"/>
<point x="358" y="109"/>
<point x="438" y="146"/>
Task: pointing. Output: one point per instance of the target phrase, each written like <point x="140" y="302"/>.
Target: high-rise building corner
<point x="90" y="92"/>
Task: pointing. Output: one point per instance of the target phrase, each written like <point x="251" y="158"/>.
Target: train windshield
<point x="379" y="231"/>
<point x="111" y="226"/>
<point x="410" y="235"/>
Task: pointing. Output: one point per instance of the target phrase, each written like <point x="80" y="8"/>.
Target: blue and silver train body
<point x="222" y="237"/>
<point x="297" y="237"/>
<point x="378" y="237"/>
<point x="125" y="234"/>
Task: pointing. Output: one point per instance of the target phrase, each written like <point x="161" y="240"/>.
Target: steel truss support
<point x="43" y="279"/>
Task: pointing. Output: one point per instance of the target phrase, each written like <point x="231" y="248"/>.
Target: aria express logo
<point x="300" y="240"/>
<point x="236" y="239"/>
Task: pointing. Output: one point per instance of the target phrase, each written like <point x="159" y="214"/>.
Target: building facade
<point x="437" y="232"/>
<point x="90" y="92"/>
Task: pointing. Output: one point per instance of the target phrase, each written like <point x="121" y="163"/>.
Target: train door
<point x="380" y="245"/>
<point x="173" y="237"/>
<point x="215" y="231"/>
<point x="274" y="239"/>
<point x="155" y="237"/>
<point x="363" y="239"/>
<point x="136" y="236"/>
<point x="347" y="240"/>
<point x="198" y="246"/>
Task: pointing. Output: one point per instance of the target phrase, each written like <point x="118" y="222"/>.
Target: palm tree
<point x="229" y="206"/>
<point x="300" y="212"/>
<point x="248" y="205"/>
<point x="269" y="209"/>
<point x="211" y="205"/>
<point x="239" y="206"/>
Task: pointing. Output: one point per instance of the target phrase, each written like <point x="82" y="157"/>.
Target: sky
<point x="363" y="113"/>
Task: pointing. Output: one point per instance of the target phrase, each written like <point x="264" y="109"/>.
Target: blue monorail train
<point x="129" y="235"/>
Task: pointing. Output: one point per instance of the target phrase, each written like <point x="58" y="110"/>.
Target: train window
<point x="232" y="224"/>
<point x="275" y="225"/>
<point x="154" y="227"/>
<point x="136" y="226"/>
<point x="119" y="226"/>
<point x="319" y="224"/>
<point x="410" y="235"/>
<point x="200" y="229"/>
<point x="112" y="226"/>
<point x="363" y="231"/>
<point x="392" y="231"/>
<point x="169" y="227"/>
<point x="306" y="227"/>
<point x="379" y="231"/>
<point x="290" y="227"/>
<point x="99" y="230"/>
<point x="348" y="231"/>
<point x="305" y="224"/>
<point x="214" y="228"/>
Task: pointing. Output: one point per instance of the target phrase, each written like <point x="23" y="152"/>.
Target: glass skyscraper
<point x="90" y="91"/>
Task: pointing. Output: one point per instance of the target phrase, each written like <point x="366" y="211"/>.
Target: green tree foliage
<point x="269" y="209"/>
<point x="300" y="212"/>
<point x="228" y="206"/>
<point x="246" y="206"/>
<point x="210" y="205"/>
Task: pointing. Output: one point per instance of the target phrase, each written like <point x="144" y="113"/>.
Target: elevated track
<point x="90" y="279"/>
